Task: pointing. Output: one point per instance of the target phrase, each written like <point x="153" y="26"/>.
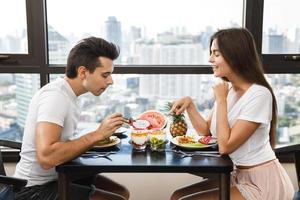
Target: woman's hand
<point x="181" y="105"/>
<point x="221" y="91"/>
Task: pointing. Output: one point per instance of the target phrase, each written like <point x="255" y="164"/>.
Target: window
<point x="286" y="89"/>
<point x="16" y="91"/>
<point x="133" y="94"/>
<point x="13" y="32"/>
<point x="169" y="32"/>
<point x="281" y="30"/>
<point x="162" y="43"/>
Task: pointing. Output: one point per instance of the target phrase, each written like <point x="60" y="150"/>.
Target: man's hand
<point x="109" y="125"/>
<point x="51" y="151"/>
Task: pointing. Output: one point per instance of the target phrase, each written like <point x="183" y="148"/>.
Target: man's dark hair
<point x="87" y="52"/>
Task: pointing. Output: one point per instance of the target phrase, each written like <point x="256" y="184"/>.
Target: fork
<point x="185" y="154"/>
<point x="95" y="154"/>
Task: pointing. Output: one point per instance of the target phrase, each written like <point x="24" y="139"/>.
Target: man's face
<point x="100" y="79"/>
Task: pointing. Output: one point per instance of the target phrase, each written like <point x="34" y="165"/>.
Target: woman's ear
<point x="81" y="72"/>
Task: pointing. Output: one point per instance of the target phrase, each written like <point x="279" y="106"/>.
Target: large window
<point x="16" y="91"/>
<point x="13" y="31"/>
<point x="132" y="94"/>
<point x="286" y="89"/>
<point x="168" y="32"/>
<point x="164" y="53"/>
<point x="281" y="30"/>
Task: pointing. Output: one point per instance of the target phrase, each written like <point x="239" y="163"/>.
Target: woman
<point x="244" y="121"/>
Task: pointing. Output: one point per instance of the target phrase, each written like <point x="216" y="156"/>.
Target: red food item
<point x="205" y="139"/>
<point x="157" y="119"/>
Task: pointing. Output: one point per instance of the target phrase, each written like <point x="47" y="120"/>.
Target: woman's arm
<point x="198" y="122"/>
<point x="231" y="139"/>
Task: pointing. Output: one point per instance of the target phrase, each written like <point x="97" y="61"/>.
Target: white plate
<point x="115" y="141"/>
<point x="193" y="146"/>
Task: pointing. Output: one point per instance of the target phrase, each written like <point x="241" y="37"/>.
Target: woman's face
<point x="219" y="66"/>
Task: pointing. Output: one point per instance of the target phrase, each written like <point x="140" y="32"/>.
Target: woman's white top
<point x="254" y="105"/>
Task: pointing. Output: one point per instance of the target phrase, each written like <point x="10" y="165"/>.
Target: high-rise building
<point x="297" y="40"/>
<point x="276" y="42"/>
<point x="29" y="84"/>
<point x="171" y="49"/>
<point x="113" y="32"/>
<point x="59" y="47"/>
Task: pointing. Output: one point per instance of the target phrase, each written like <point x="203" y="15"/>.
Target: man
<point x="52" y="118"/>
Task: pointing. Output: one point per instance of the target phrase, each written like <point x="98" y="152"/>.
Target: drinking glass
<point x="139" y="139"/>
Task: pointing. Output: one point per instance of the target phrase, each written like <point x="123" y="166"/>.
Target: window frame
<point x="36" y="61"/>
<point x="273" y="63"/>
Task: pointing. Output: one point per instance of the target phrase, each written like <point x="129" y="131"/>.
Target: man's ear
<point x="81" y="72"/>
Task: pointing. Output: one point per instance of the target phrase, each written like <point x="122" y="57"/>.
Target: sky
<point x="155" y="15"/>
<point x="88" y="16"/>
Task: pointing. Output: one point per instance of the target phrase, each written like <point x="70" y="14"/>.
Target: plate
<point x="196" y="145"/>
<point x="114" y="141"/>
<point x="120" y="132"/>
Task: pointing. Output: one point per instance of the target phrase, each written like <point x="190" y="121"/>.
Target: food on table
<point x="106" y="141"/>
<point x="178" y="126"/>
<point x="149" y="124"/>
<point x="139" y="139"/>
<point x="185" y="139"/>
<point x="188" y="141"/>
<point x="157" y="139"/>
<point x="138" y="124"/>
<point x="205" y="139"/>
<point x="156" y="143"/>
<point x="194" y="142"/>
<point x="159" y="134"/>
<point x="141" y="124"/>
<point x="157" y="119"/>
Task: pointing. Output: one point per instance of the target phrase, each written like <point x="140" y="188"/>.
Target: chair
<point x="291" y="153"/>
<point x="9" y="184"/>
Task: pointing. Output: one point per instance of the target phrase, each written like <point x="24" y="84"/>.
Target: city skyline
<point x="133" y="94"/>
<point x="214" y="12"/>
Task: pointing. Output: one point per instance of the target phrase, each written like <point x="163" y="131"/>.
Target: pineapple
<point x="178" y="126"/>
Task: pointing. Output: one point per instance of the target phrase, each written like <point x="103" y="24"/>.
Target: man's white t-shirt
<point x="57" y="103"/>
<point x="254" y="105"/>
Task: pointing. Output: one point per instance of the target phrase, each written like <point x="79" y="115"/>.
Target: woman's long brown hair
<point x="238" y="48"/>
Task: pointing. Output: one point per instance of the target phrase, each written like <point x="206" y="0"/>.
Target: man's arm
<point x="51" y="151"/>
